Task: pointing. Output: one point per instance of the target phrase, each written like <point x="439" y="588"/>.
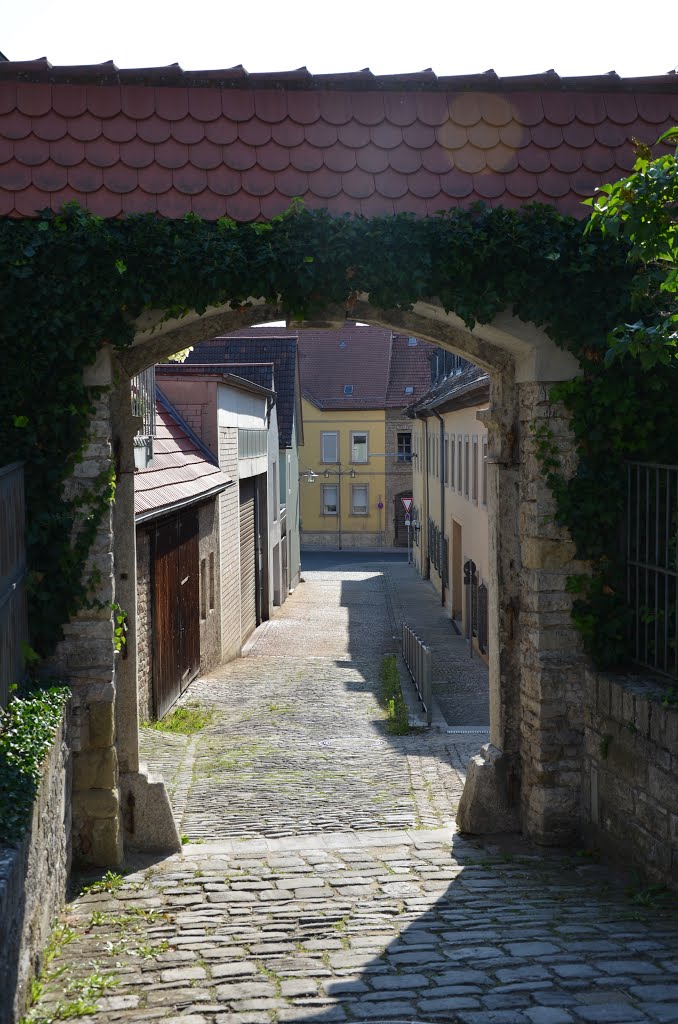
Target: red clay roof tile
<point x="33" y="100"/>
<point x="6" y="201"/>
<point x="377" y="205"/>
<point x="288" y="133"/>
<point x="223" y="181"/>
<point x="370" y="158"/>
<point x="355" y="142"/>
<point x="533" y="159"/>
<point x="273" y="157"/>
<point x="32" y="152"/>
<point x="102" y="152"/>
<point x="15" y="176"/>
<point x="271" y="105"/>
<point x="221" y="132"/>
<point x="306" y="158"/>
<point x="138" y="102"/>
<point x="342" y="159"/>
<point x="137" y="153"/>
<point x="292" y="182"/>
<point x="501" y="158"/>
<point x="188" y="130"/>
<point x="189" y="180"/>
<point x="204" y="104"/>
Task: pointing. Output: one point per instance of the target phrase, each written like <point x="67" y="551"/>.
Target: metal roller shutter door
<point x="248" y="585"/>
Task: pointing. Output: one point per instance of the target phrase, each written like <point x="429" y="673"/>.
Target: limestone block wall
<point x="33" y="879"/>
<point x="630" y="775"/>
<point x="86" y="659"/>
<point x="144" y="626"/>
<point x="551" y="658"/>
<point x="349" y="541"/>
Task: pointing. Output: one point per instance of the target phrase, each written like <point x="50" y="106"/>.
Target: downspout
<point x="426" y="570"/>
<point x="443" y="474"/>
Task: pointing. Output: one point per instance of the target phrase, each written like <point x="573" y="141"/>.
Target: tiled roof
<point x="181" y="471"/>
<point x="470" y="387"/>
<point x="410" y="368"/>
<point x="243" y="145"/>
<point x="254" y="347"/>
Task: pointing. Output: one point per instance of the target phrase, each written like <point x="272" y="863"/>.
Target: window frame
<point x="323" y="503"/>
<point x="366" y="488"/>
<point x="483" y="476"/>
<point x="323" y="435"/>
<point x="366" y="435"/>
<point x="403" y="455"/>
<point x="467" y="466"/>
<point x="475" y="481"/>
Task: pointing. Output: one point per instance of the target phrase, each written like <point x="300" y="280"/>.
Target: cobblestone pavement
<point x="323" y="882"/>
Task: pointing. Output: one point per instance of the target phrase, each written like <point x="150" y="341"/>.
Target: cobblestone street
<point x="322" y="880"/>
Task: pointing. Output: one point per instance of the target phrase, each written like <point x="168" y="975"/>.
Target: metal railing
<point x="417" y="657"/>
<point x="143" y="401"/>
<point x="652" y="565"/>
<point x="13" y="618"/>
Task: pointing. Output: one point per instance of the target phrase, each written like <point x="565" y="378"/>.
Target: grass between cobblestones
<point x="185" y="720"/>
<point x="392" y="696"/>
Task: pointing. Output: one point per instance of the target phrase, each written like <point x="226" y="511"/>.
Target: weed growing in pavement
<point x="82" y="997"/>
<point x="111" y="882"/>
<point x="185" y="720"/>
<point x="392" y="697"/>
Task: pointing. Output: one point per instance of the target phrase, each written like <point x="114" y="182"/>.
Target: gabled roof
<point x="460" y="391"/>
<point x="182" y="471"/>
<point x="228" y="143"/>
<point x="245" y="347"/>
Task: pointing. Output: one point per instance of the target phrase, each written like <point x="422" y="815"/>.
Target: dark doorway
<point x="176" y="608"/>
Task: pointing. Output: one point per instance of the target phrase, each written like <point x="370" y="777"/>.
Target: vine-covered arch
<point x="77" y="291"/>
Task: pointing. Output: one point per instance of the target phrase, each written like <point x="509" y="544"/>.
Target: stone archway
<point x="530" y="781"/>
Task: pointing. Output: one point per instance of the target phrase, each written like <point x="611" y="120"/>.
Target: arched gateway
<point x="226" y="143"/>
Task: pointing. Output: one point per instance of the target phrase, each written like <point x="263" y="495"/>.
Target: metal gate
<point x="248" y="560"/>
<point x="176" y="609"/>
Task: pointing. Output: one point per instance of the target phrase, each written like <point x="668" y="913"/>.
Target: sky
<point x="514" y="38"/>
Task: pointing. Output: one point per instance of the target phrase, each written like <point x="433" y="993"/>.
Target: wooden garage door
<point x="176" y="609"/>
<point x="248" y="564"/>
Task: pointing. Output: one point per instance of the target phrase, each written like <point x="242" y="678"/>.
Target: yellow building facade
<point x="343" y="477"/>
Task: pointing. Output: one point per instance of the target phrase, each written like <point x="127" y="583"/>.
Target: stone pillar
<point x="147" y="821"/>
<point x="85" y="658"/>
<point x="551" y="655"/>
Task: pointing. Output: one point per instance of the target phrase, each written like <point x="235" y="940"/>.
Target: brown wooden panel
<point x="166" y="675"/>
<point x="189" y="598"/>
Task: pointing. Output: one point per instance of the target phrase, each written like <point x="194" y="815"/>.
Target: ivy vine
<point x="71" y="281"/>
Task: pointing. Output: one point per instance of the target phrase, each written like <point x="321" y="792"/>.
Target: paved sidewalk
<point x="323" y="881"/>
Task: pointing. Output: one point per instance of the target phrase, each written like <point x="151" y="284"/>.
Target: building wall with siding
<point x="230" y="546"/>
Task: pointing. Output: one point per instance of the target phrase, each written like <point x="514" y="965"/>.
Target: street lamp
<point x="351" y="473"/>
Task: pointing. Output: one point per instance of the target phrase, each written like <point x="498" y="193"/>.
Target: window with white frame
<point x="359" y="503"/>
<point x="474" y="468"/>
<point x="329" y="446"/>
<point x="358" y="446"/>
<point x="467" y="467"/>
<point x="484" y="473"/>
<point x="329" y="499"/>
<point x="446" y="460"/>
<point x="459" y="464"/>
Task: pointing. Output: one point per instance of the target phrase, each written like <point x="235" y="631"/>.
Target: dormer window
<point x="409" y="390"/>
<point x="412" y="342"/>
<point x="343" y="343"/>
<point x="348" y="389"/>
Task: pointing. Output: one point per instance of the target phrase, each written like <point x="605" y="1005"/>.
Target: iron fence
<point x="143" y="401"/>
<point x="417" y="657"/>
<point x="652" y="565"/>
<point x="13" y="618"/>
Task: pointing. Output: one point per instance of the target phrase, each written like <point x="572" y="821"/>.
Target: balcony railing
<point x="652" y="565"/>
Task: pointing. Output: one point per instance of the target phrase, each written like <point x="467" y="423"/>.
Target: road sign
<point x="407" y="519"/>
<point x="407" y="503"/>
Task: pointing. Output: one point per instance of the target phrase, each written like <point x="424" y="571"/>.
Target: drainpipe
<point x="425" y="569"/>
<point x="443" y="473"/>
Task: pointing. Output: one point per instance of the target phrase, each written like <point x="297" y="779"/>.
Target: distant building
<point x="450" y="490"/>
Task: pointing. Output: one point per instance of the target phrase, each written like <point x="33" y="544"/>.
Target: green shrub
<point x="392" y="697"/>
<point x="27" y="728"/>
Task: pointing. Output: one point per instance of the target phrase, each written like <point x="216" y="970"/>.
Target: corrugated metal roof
<point x="180" y="473"/>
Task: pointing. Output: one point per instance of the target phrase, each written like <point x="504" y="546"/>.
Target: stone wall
<point x="33" y="878"/>
<point x="144" y="626"/>
<point x="630" y="776"/>
<point x="330" y="540"/>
